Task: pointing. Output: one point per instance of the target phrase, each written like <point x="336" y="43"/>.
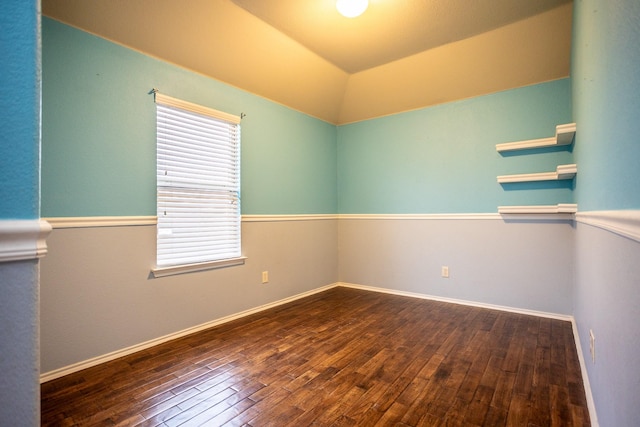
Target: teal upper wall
<point x="606" y="103"/>
<point x="443" y="159"/>
<point x="98" y="143"/>
<point x="20" y="107"/>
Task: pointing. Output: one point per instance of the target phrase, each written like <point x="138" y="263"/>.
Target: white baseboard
<point x="66" y="370"/>
<point x="591" y="406"/>
<point x="556" y="316"/>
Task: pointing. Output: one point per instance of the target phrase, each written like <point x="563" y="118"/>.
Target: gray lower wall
<point x="97" y="296"/>
<point x="519" y="264"/>
<point x="607" y="301"/>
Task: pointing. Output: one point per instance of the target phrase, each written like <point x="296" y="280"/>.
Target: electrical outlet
<point x="445" y="271"/>
<point x="265" y="277"/>
<point x="592" y="345"/>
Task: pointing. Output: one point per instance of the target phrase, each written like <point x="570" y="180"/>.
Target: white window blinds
<point x="198" y="183"/>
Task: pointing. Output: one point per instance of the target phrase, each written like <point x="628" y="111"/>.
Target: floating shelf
<point x="561" y="208"/>
<point x="564" y="136"/>
<point x="562" y="172"/>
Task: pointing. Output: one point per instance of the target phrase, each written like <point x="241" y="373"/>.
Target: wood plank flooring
<point x="343" y="357"/>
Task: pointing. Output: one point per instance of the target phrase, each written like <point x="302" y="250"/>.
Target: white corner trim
<point x="100" y="221"/>
<point x="557" y="316"/>
<point x="66" y="370"/>
<point x="22" y="240"/>
<point x="591" y="405"/>
<point x="623" y="223"/>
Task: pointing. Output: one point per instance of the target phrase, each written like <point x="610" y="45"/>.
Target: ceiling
<point x="389" y="29"/>
<point x="398" y="56"/>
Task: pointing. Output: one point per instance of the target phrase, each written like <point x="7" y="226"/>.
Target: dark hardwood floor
<point x="340" y="358"/>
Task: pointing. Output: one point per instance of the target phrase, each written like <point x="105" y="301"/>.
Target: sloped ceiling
<point x="399" y="55"/>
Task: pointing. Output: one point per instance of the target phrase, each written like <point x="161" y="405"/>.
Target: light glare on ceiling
<point x="352" y="8"/>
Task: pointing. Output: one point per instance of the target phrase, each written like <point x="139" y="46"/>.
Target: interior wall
<point x="443" y="159"/>
<point x="19" y="199"/>
<point x="98" y="160"/>
<point x="525" y="265"/>
<point x="606" y="302"/>
<point x="438" y="165"/>
<point x="99" y="134"/>
<point x="606" y="103"/>
<point x="97" y="296"/>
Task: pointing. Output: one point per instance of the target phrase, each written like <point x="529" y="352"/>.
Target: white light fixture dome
<point x="352" y="8"/>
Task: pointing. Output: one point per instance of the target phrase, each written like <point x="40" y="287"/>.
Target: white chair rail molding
<point x="23" y="239"/>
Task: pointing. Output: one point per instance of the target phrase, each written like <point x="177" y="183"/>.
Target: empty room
<point x="280" y="212"/>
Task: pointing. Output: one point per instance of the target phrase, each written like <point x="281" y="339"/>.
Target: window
<point x="198" y="187"/>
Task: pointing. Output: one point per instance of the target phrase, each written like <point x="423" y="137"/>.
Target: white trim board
<point x="128" y="221"/>
<point x="562" y="172"/>
<point x="624" y="223"/>
<point x="24" y="239"/>
<point x="295" y="217"/>
<point x="430" y="217"/>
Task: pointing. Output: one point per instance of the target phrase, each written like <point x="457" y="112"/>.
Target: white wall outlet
<point x="265" y="277"/>
<point x="592" y="345"/>
<point x="445" y="271"/>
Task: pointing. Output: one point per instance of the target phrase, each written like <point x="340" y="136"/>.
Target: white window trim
<point x="201" y="266"/>
<point x="195" y="108"/>
<point x="168" y="270"/>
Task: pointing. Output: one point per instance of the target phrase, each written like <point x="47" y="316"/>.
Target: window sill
<point x="192" y="268"/>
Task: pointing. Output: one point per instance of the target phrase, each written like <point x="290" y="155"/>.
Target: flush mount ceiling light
<point x="352" y="8"/>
